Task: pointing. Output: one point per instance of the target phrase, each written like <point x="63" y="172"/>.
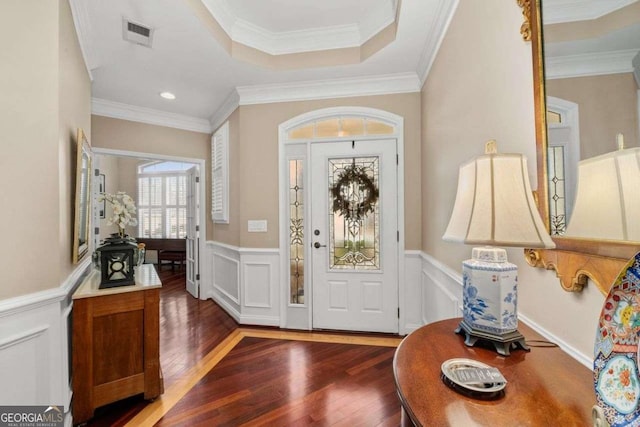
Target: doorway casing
<point x="201" y="190"/>
<point x="299" y="316"/>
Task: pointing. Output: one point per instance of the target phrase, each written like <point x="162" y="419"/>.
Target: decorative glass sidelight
<point x="296" y="231"/>
<point x="557" y="199"/>
<point x="354" y="214"/>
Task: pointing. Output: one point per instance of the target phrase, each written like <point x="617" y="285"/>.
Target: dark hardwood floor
<point x="261" y="381"/>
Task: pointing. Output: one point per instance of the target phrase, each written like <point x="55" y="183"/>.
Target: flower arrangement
<point x="124" y="210"/>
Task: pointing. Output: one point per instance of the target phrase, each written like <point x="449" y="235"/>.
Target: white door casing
<point x="193" y="285"/>
<point x="354" y="288"/>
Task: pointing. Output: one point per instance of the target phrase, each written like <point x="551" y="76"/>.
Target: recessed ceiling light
<point x="167" y="95"/>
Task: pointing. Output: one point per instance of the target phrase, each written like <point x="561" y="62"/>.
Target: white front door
<point x="192" y="231"/>
<point x="354" y="235"/>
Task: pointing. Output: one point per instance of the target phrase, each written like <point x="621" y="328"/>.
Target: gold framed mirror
<point x="575" y="259"/>
<point x="82" y="211"/>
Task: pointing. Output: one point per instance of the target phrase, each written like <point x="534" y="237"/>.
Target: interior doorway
<point x="168" y="192"/>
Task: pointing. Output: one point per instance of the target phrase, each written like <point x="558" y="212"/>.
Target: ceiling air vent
<point x="137" y="33"/>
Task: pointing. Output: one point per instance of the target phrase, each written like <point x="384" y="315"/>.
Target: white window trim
<point x="164" y="206"/>
<point x="220" y="141"/>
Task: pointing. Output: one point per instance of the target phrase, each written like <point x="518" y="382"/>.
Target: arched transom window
<point x="344" y="126"/>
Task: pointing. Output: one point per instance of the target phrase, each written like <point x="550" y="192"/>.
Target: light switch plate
<point x="257" y="226"/>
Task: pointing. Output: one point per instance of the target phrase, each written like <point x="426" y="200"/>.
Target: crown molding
<point x="283" y="43"/>
<point x="118" y="110"/>
<point x="377" y="20"/>
<point x="593" y="64"/>
<point x="445" y="11"/>
<point x="82" y="23"/>
<point x="325" y="89"/>
<point x="225" y="110"/>
<point x="558" y="11"/>
<point x="309" y="40"/>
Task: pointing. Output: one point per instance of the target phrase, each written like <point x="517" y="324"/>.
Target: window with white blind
<point x="220" y="175"/>
<point x="162" y="200"/>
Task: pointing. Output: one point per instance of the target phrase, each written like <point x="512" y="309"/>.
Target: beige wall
<point x="45" y="97"/>
<point x="480" y="87"/>
<point x="256" y="166"/>
<point x="607" y="104"/>
<point x="126" y="135"/>
<point x="74" y="95"/>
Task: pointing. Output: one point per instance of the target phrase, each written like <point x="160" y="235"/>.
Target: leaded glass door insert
<point x="354" y="237"/>
<point x="557" y="187"/>
<point x="296" y="231"/>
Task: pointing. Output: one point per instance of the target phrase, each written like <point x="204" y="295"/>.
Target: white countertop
<point x="145" y="276"/>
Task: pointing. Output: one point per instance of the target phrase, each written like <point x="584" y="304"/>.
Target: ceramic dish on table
<point x="487" y="390"/>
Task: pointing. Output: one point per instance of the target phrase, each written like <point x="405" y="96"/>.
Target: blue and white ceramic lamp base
<point x="490" y="300"/>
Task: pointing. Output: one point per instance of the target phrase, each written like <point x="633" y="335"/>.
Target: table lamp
<point x="494" y="206"/>
<point x="607" y="204"/>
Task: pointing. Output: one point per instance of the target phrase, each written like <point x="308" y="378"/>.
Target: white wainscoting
<point x="260" y="280"/>
<point x="441" y="291"/>
<point x="411" y="301"/>
<point x="223" y="277"/>
<point x="34" y="346"/>
<point x="245" y="282"/>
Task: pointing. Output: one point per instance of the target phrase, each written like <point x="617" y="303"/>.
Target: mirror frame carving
<point x="574" y="260"/>
<point x="81" y="242"/>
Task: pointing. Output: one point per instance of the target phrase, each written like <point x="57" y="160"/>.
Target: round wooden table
<point x="545" y="387"/>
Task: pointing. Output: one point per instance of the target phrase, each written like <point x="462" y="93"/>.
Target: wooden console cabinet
<point x="116" y="342"/>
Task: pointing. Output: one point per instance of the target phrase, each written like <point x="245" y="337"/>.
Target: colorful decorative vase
<point x="615" y="366"/>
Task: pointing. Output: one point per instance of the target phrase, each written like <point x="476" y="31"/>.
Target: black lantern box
<point x="117" y="261"/>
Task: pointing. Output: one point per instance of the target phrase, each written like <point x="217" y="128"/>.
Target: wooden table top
<point x="545" y="387"/>
<point x="146" y="277"/>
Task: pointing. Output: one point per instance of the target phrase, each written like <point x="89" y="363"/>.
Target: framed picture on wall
<point x="101" y="189"/>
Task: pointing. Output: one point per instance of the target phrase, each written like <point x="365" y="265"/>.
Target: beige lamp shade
<point x="494" y="205"/>
<point x="607" y="201"/>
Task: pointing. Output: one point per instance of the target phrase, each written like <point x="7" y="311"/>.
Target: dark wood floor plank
<point x="261" y="382"/>
<point x="189" y="329"/>
<point x="286" y="383"/>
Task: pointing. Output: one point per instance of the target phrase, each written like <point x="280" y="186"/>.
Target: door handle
<point x="317" y="245"/>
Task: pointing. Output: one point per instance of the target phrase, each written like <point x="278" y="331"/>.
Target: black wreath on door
<point x="343" y="201"/>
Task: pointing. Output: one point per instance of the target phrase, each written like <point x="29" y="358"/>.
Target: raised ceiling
<point x="279" y="27"/>
<point x="217" y="54"/>
<point x="188" y="58"/>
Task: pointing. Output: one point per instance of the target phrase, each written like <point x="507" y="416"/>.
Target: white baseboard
<point x="248" y="319"/>
<point x="570" y="350"/>
<point x="224" y="304"/>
